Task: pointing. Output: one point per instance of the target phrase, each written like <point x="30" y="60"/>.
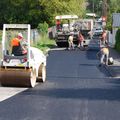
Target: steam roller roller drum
<point x="18" y="78"/>
<point x="41" y="73"/>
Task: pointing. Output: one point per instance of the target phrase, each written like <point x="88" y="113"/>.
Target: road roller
<point x="21" y="70"/>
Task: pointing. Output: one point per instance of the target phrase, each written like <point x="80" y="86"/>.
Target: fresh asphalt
<point x="76" y="89"/>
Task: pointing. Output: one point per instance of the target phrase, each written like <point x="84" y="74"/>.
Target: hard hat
<point x="20" y="35"/>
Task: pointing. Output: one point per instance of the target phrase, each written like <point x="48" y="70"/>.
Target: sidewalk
<point x="114" y="69"/>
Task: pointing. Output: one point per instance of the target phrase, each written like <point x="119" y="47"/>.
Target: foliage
<point x="64" y="6"/>
<point x="113" y="7"/>
<point x="79" y="4"/>
<point x="0" y="36"/>
<point x="43" y="28"/>
<point x="45" y="44"/>
<point x="117" y="38"/>
<point x="95" y="6"/>
<point x="38" y="11"/>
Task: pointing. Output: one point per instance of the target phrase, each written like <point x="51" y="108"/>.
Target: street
<point x="75" y="89"/>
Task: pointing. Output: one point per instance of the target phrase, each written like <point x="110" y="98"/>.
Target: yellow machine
<point x="24" y="70"/>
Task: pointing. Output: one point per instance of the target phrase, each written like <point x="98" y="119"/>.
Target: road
<point x="76" y="89"/>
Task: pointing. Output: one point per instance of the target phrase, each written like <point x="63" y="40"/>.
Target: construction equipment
<point x="85" y="26"/>
<point x="24" y="70"/>
<point x="65" y="27"/>
<point x="71" y="24"/>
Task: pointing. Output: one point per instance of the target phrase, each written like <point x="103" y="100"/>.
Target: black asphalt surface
<point x="76" y="89"/>
<point x="114" y="69"/>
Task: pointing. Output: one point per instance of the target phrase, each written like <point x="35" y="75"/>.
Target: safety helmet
<point x="20" y="35"/>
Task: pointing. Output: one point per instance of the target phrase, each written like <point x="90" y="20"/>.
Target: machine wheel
<point x="41" y="73"/>
<point x="18" y="77"/>
<point x="32" y="78"/>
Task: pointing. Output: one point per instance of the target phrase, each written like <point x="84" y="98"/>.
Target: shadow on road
<point x="81" y="93"/>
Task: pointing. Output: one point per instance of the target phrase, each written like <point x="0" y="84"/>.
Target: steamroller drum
<point x="41" y="73"/>
<point x="18" y="78"/>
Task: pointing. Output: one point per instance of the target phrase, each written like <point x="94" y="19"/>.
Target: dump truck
<point x="64" y="27"/>
<point x="24" y="70"/>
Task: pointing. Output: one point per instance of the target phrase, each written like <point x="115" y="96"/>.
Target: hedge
<point x="117" y="39"/>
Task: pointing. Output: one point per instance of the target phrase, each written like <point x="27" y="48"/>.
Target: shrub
<point x="0" y="35"/>
<point x="117" y="39"/>
<point x="44" y="43"/>
<point x="43" y="28"/>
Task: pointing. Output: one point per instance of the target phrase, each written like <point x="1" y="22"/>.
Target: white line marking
<point x="7" y="92"/>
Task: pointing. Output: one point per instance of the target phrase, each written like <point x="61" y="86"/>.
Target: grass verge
<point x="45" y="44"/>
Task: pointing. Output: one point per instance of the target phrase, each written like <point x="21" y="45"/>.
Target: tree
<point x="113" y="7"/>
<point x="117" y="37"/>
<point x="38" y="11"/>
<point x="95" y="6"/>
<point x="60" y="7"/>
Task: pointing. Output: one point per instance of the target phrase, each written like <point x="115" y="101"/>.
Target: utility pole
<point x="93" y="6"/>
<point x="104" y="8"/>
<point x="104" y="13"/>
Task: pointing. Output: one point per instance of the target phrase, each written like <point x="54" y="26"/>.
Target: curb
<point x="46" y="52"/>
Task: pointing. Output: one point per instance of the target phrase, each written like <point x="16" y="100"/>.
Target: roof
<point x="116" y="20"/>
<point x="66" y="17"/>
<point x="91" y="14"/>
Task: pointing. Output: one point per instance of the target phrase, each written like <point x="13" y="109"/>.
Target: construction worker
<point x="104" y="38"/>
<point x="70" y="42"/>
<point x="104" y="55"/>
<point x="80" y="40"/>
<point x="17" y="48"/>
<point x="90" y="33"/>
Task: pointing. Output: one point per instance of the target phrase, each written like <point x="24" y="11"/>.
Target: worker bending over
<point x="104" y="55"/>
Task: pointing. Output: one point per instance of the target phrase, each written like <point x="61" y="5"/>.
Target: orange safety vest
<point x="15" y="42"/>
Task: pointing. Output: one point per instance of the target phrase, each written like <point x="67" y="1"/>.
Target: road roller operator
<point x="17" y="48"/>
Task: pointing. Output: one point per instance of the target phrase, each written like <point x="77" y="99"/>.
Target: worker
<point x="104" y="55"/>
<point x="90" y="33"/>
<point x="17" y="48"/>
<point x="104" y="38"/>
<point x="58" y="25"/>
<point x="80" y="40"/>
<point x="70" y="42"/>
